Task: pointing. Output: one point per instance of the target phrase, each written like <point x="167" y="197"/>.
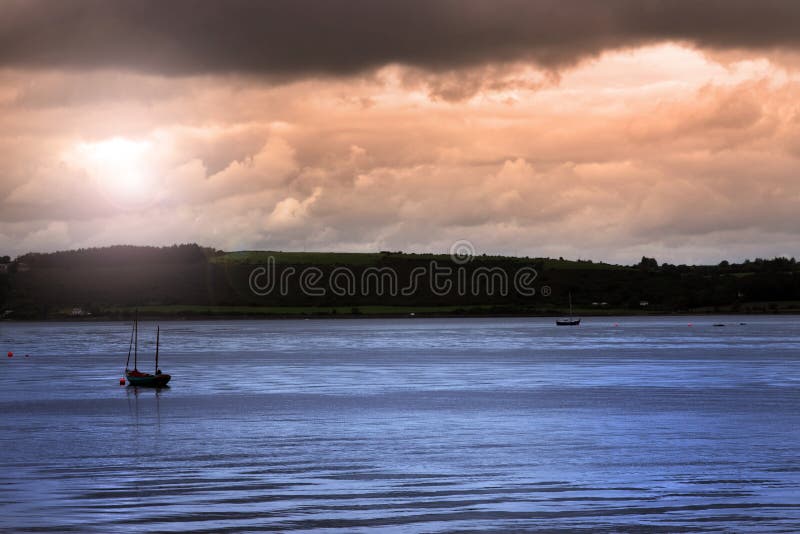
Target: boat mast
<point x="158" y="331"/>
<point x="130" y="349"/>
<point x="136" y="339"/>
<point x="570" y="304"/>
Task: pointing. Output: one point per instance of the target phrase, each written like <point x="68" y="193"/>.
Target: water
<point x="405" y="425"/>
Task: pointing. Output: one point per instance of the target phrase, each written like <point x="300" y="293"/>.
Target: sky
<point x="594" y="130"/>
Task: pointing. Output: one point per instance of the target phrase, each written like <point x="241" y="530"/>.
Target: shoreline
<point x="404" y="315"/>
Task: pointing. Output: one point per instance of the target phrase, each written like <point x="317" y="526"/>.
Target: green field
<point x="260" y="257"/>
<point x="194" y="281"/>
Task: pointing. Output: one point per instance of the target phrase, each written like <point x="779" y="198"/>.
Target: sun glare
<point x="120" y="167"/>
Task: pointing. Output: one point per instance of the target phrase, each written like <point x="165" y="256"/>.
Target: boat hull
<point x="568" y="322"/>
<point x="151" y="381"/>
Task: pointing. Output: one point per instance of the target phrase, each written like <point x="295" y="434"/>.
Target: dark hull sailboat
<point x="569" y="321"/>
<point x="137" y="378"/>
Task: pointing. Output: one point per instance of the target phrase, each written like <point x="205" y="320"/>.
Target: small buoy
<point x="616" y="324"/>
<point x="690" y="324"/>
<point x="26" y="355"/>
<point x="121" y="381"/>
<point x="10" y="354"/>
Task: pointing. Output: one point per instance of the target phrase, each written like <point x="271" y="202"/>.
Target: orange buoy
<point x="10" y="354"/>
<point x="121" y="381"/>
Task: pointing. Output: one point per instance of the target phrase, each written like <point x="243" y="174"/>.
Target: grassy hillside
<point x="260" y="257"/>
<point x="190" y="280"/>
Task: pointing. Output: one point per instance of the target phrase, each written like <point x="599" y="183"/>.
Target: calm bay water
<point x="415" y="425"/>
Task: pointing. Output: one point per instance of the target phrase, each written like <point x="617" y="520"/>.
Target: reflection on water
<point x="405" y="425"/>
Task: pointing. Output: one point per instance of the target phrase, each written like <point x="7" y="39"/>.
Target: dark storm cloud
<point x="298" y="37"/>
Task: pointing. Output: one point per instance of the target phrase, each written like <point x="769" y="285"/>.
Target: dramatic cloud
<point x="541" y="128"/>
<point x="298" y="37"/>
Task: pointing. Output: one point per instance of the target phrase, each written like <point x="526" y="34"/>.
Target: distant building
<point x="643" y="303"/>
<point x="77" y="312"/>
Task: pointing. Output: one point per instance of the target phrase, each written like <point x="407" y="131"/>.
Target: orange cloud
<point x="659" y="150"/>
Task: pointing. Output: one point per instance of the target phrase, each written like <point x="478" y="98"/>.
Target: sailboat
<point x="570" y="321"/>
<point x="136" y="377"/>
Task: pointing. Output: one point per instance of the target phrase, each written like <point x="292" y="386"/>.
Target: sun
<point x="120" y="167"/>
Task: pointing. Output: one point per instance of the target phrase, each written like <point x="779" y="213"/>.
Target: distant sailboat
<point x="571" y="321"/>
<point x="136" y="377"/>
